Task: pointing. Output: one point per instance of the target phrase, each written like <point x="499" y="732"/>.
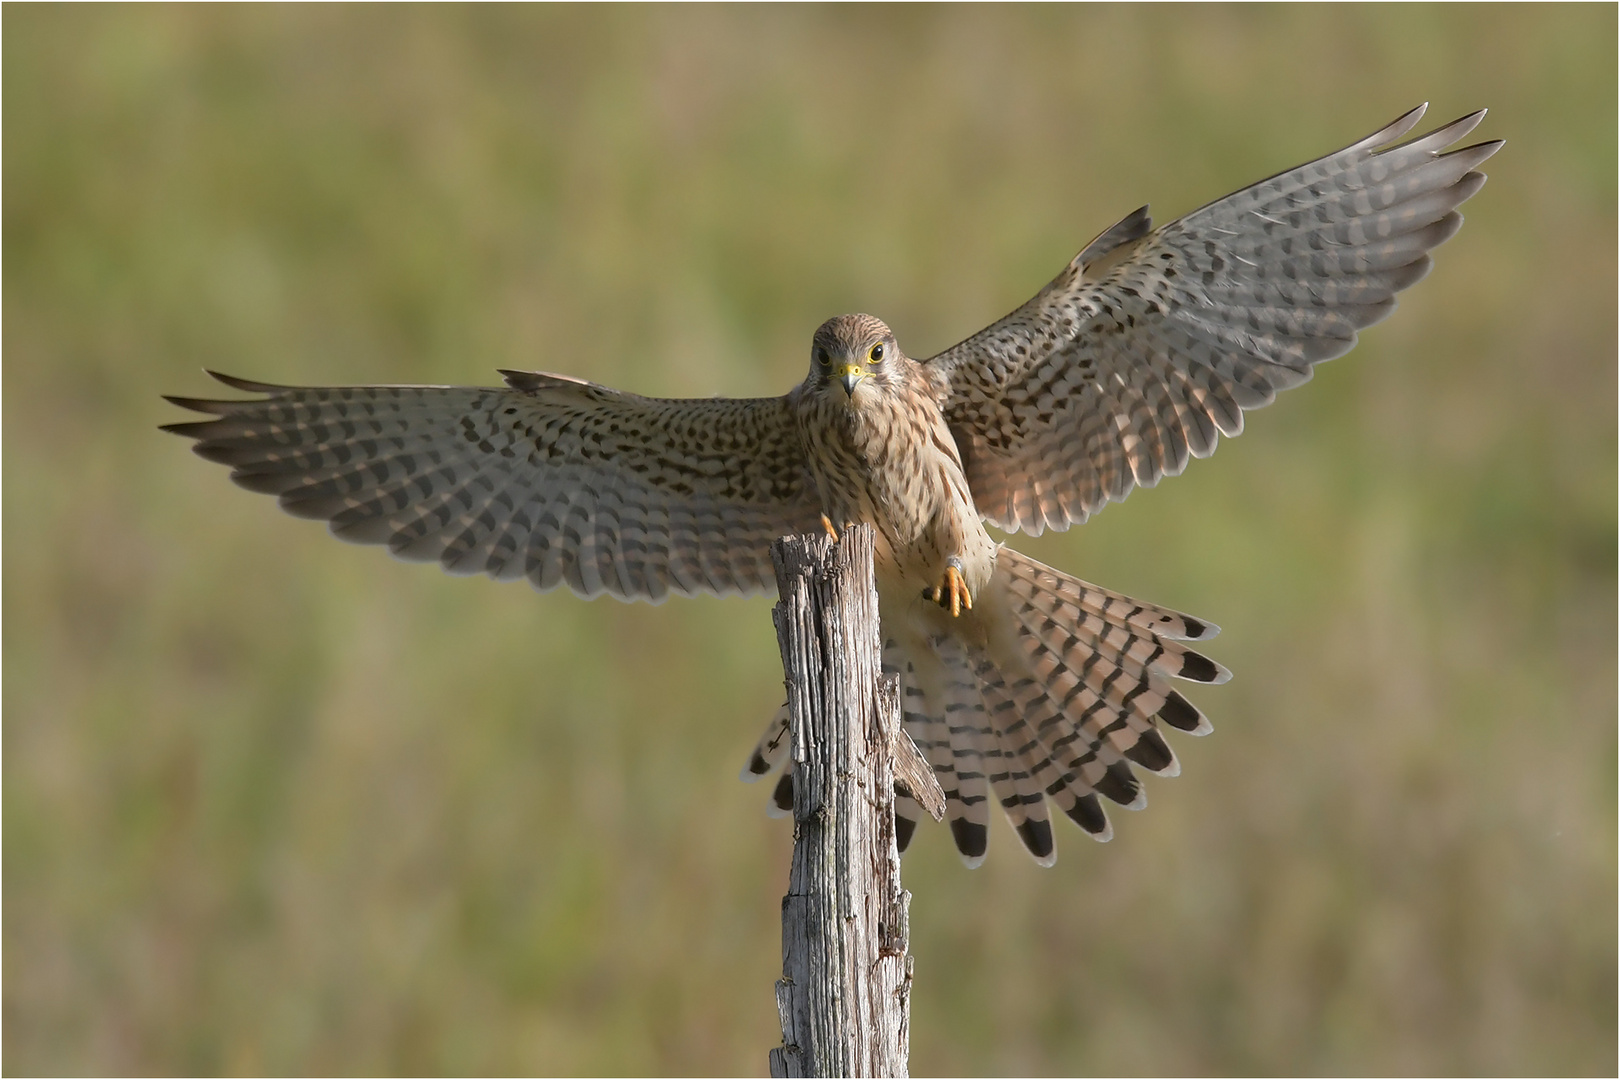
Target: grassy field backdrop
<point x="277" y="804"/>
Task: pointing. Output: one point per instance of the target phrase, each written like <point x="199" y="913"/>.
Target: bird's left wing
<point x="1151" y="343"/>
<point x="549" y="478"/>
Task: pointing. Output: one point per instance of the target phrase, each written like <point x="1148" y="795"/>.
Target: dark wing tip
<point x="1133" y="226"/>
<point x="189" y="429"/>
<point x="539" y="380"/>
<point x="212" y="407"/>
<point x="202" y="405"/>
<point x="1486" y="149"/>
<point x="1393" y="131"/>
<point x="247" y="385"/>
<point x="519" y="380"/>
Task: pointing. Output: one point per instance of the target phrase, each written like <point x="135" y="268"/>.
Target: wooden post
<point x="844" y="995"/>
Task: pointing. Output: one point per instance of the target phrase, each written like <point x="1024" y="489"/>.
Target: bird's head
<point x="852" y="356"/>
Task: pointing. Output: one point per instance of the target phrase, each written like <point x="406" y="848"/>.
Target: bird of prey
<point x="1020" y="683"/>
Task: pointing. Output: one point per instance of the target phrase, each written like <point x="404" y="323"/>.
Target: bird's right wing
<point x="1151" y="343"/>
<point x="557" y="480"/>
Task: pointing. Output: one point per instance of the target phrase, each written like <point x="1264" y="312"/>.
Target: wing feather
<point x="557" y="480"/>
<point x="1151" y="344"/>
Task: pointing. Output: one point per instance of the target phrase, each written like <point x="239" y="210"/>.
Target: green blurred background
<point x="276" y="804"/>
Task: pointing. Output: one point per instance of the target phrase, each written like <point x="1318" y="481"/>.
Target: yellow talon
<point x="827" y="524"/>
<point x="952" y="592"/>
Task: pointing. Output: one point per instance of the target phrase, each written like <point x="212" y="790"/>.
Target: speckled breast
<point x="896" y="469"/>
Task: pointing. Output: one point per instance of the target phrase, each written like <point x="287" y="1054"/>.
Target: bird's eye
<point x="822" y="358"/>
<point x="877" y="353"/>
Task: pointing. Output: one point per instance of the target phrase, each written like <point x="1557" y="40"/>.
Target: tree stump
<point x="844" y="995"/>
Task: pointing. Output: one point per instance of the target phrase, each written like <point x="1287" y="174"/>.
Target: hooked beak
<point x="850" y="375"/>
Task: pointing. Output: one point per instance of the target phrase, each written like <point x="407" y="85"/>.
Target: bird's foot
<point x="952" y="592"/>
<point x="835" y="533"/>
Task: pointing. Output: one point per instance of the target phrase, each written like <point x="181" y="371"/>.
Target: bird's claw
<point x="835" y="533"/>
<point x="952" y="592"/>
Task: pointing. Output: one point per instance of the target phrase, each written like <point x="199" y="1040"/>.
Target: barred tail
<point x="1048" y="691"/>
<point x="1082" y="691"/>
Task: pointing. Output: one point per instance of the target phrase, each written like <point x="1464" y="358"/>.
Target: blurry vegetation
<point x="276" y="804"/>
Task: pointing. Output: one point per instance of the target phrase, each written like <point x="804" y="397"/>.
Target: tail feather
<point x="1077" y="686"/>
<point x="1051" y="689"/>
<point x="1115" y="608"/>
<point x="935" y="747"/>
<point x="1109" y="712"/>
<point x="952" y="746"/>
<point x="907" y="813"/>
<point x="1027" y="771"/>
<point x="781" y="804"/>
<point x="771" y="750"/>
<point x="1131" y="648"/>
<point x="1110" y="669"/>
<point x="1124" y="631"/>
<point x="1154" y="754"/>
<point x="1007" y="763"/>
<point x="1183" y="715"/>
<point x="1028" y="711"/>
<point x="1074" y="732"/>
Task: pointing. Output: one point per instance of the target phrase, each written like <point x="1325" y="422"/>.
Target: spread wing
<point x="1152" y="343"/>
<point x="549" y="478"/>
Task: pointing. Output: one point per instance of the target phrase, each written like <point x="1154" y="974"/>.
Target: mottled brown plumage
<point x="1020" y="683"/>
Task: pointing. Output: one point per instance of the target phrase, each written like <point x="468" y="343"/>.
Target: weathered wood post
<point x="844" y="995"/>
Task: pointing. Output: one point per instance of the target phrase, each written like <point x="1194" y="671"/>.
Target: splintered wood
<point x="844" y="995"/>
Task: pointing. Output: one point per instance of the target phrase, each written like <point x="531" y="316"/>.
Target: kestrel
<point x="1020" y="683"/>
